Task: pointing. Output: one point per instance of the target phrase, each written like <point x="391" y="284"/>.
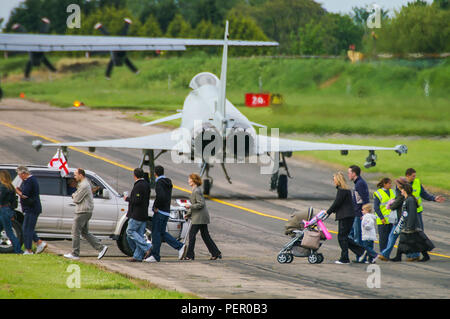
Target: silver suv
<point x="108" y="219"/>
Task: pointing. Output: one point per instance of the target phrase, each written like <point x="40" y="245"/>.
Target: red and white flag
<point x="59" y="162"/>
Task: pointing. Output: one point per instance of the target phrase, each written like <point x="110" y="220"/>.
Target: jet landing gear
<point x="208" y="181"/>
<point x="279" y="179"/>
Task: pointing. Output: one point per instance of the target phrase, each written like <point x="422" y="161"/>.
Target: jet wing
<point x="50" y="42"/>
<point x="272" y="144"/>
<point x="162" y="141"/>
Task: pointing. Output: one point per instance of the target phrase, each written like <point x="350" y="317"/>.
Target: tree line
<point x="300" y="26"/>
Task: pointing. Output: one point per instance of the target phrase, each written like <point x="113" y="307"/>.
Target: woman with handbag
<point x="345" y="215"/>
<point x="200" y="219"/>
<point x="412" y="237"/>
<point x="7" y="200"/>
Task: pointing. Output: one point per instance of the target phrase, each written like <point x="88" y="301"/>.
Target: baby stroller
<point x="299" y="225"/>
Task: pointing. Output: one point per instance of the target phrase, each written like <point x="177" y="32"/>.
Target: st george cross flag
<point x="59" y="162"/>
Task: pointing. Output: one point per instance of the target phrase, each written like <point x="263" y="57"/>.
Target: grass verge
<point x="429" y="157"/>
<point x="45" y="276"/>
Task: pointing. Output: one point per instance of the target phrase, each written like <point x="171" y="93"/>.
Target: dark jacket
<point x="7" y="196"/>
<point x="410" y="206"/>
<point x="163" y="190"/>
<point x="138" y="201"/>
<point x="360" y="195"/>
<point x="30" y="188"/>
<point x="342" y="205"/>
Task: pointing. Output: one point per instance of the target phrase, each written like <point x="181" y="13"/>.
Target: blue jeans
<point x="29" y="235"/>
<point x="368" y="246"/>
<point x="392" y="238"/>
<point x="136" y="238"/>
<point x="355" y="233"/>
<point x="383" y="235"/>
<point x="6" y="214"/>
<point x="159" y="224"/>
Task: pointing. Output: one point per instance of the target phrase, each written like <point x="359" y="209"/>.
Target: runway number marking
<point x="249" y="210"/>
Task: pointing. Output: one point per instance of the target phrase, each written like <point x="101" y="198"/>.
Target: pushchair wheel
<point x="290" y="258"/>
<point x="314" y="259"/>
<point x="285" y="258"/>
<point x="320" y="258"/>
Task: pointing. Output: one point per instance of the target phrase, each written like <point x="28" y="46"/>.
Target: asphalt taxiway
<point x="247" y="219"/>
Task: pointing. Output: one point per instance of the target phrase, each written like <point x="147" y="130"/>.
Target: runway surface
<point x="247" y="220"/>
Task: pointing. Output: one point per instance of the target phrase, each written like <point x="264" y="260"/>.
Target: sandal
<point x="187" y="258"/>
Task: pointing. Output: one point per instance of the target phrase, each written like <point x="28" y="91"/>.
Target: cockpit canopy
<point x="204" y="78"/>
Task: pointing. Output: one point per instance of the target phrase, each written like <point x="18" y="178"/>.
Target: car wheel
<point x="148" y="231"/>
<point x="122" y="242"/>
<point x="6" y="246"/>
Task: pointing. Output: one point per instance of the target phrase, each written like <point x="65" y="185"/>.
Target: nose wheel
<point x="207" y="184"/>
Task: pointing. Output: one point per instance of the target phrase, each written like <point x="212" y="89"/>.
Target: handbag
<point x="311" y="239"/>
<point x="392" y="218"/>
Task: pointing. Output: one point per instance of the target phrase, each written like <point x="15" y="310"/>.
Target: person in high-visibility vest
<point x="419" y="193"/>
<point x="381" y="198"/>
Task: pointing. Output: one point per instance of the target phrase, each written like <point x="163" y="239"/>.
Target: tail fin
<point x="223" y="76"/>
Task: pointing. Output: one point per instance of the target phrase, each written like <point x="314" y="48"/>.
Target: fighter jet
<point x="214" y="131"/>
<point x="117" y="57"/>
<point x="36" y="57"/>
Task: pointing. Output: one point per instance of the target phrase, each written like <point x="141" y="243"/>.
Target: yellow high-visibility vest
<point x="417" y="188"/>
<point x="384" y="199"/>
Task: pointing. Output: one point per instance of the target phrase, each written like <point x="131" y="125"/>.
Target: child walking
<point x="368" y="234"/>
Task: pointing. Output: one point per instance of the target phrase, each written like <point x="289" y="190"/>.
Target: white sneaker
<point x="41" y="247"/>
<point x="150" y="259"/>
<point x="374" y="261"/>
<point x="182" y="252"/>
<point x="70" y="256"/>
<point x="103" y="252"/>
<point x="28" y="253"/>
<point x="362" y="257"/>
<point x="341" y="263"/>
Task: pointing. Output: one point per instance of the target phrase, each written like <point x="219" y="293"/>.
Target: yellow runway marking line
<point x="252" y="211"/>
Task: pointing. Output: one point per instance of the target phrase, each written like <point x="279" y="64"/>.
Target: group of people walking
<point x="138" y="205"/>
<point x="138" y="202"/>
<point x="397" y="214"/>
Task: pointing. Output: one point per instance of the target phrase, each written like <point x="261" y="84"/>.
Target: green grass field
<point x="321" y="97"/>
<point x="20" y="275"/>
<point x="429" y="157"/>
